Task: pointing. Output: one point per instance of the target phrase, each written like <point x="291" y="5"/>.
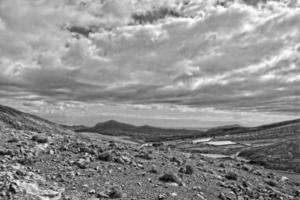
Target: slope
<point x="14" y="119"/>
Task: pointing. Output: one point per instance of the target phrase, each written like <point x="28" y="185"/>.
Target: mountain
<point x="145" y="133"/>
<point x="14" y="119"/>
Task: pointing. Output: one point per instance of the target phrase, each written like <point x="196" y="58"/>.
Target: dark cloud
<point x="154" y="15"/>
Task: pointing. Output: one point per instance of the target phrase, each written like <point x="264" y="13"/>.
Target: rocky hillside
<point x="54" y="166"/>
<point x="281" y="149"/>
<point x="282" y="130"/>
<point x="14" y="119"/>
<point x="284" y="155"/>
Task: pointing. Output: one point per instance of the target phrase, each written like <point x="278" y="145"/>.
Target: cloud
<point x="235" y="57"/>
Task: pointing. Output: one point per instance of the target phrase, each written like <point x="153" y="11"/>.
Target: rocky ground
<point x="51" y="166"/>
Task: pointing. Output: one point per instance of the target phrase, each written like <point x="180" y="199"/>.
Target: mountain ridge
<point x="113" y="127"/>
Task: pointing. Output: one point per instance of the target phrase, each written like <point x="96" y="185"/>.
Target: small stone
<point x="153" y="169"/>
<point x="40" y="138"/>
<point x="13" y="188"/>
<point x="171" y="177"/>
<point x="51" y="152"/>
<point x="82" y="163"/>
<point x="106" y="156"/>
<point x="144" y="155"/>
<point x="13" y="140"/>
<point x="231" y="175"/>
<point x="227" y="195"/>
<point x="197" y="188"/>
<point x="174" y="194"/>
<point x="188" y="169"/>
<point x="176" y="160"/>
<point x="92" y="191"/>
<point x="102" y="195"/>
<point x="161" y="196"/>
<point x="271" y="182"/>
<point x="115" y="192"/>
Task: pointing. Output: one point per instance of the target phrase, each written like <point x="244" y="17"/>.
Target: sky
<point x="173" y="63"/>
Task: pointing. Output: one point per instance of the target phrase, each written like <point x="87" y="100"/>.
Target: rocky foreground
<point x="51" y="166"/>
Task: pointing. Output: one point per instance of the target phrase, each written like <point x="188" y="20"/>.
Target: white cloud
<point x="226" y="58"/>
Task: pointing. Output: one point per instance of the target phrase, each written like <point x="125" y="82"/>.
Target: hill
<point x="284" y="155"/>
<point x="278" y="130"/>
<point x="14" y="119"/>
<point x="275" y="146"/>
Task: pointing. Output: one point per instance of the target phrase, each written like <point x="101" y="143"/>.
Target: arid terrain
<point x="42" y="160"/>
<point x="275" y="146"/>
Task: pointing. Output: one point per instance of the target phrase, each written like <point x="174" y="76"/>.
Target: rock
<point x="261" y="198"/>
<point x="197" y="188"/>
<point x="28" y="160"/>
<point x="119" y="160"/>
<point x="157" y="144"/>
<point x="126" y="159"/>
<point x="284" y="179"/>
<point x="13" y="140"/>
<point x="246" y="168"/>
<point x="102" y="195"/>
<point x="222" y="165"/>
<point x="40" y="139"/>
<point x="82" y="163"/>
<point x="227" y="195"/>
<point x="171" y="177"/>
<point x="173" y="194"/>
<point x="13" y="188"/>
<point x="115" y="192"/>
<point x="106" y="156"/>
<point x="112" y="144"/>
<point x="161" y="196"/>
<point x="92" y="191"/>
<point x="7" y="152"/>
<point x="153" y="169"/>
<point x="271" y="182"/>
<point x="271" y="175"/>
<point x="85" y="149"/>
<point x="230" y="175"/>
<point x="188" y="169"/>
<point x="176" y="160"/>
<point x="257" y="172"/>
<point x="144" y="155"/>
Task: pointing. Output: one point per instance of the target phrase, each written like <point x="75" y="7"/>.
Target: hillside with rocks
<point x="283" y="155"/>
<point x="282" y="130"/>
<point x="49" y="165"/>
<point x="14" y="119"/>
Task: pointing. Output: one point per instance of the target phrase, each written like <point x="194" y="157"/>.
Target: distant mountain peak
<point x="112" y="123"/>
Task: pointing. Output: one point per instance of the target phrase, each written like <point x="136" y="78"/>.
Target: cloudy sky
<point x="167" y="63"/>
